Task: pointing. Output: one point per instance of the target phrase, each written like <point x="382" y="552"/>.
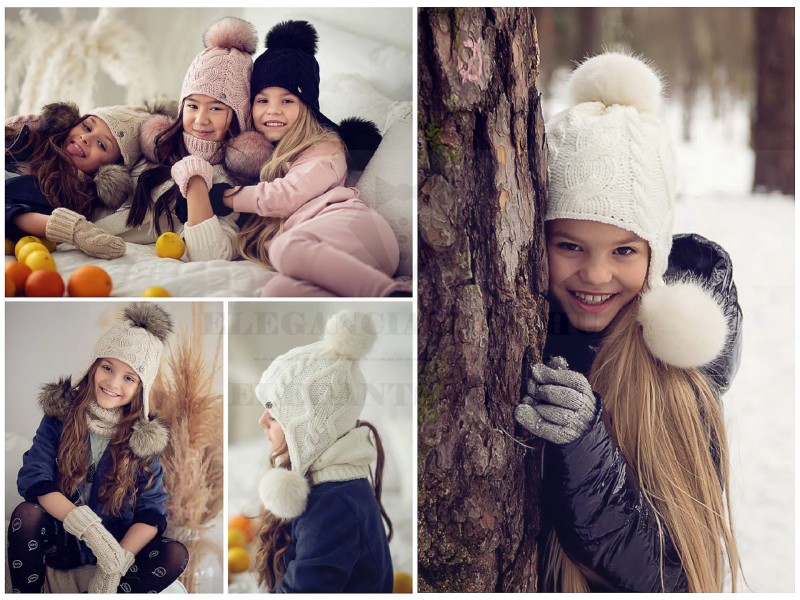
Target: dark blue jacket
<point x="339" y="543"/>
<point x="590" y="499"/>
<point x="38" y="476"/>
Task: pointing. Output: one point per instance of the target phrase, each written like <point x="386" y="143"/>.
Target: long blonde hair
<point x="304" y="134"/>
<point x="669" y="427"/>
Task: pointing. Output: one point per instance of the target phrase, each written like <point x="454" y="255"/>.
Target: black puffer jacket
<point x="590" y="498"/>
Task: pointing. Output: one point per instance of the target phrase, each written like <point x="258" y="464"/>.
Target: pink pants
<point x="347" y="249"/>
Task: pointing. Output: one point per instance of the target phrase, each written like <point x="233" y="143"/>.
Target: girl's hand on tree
<point x="192" y="166"/>
<point x="560" y="406"/>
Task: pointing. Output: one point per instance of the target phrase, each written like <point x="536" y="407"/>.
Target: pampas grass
<point x="183" y="396"/>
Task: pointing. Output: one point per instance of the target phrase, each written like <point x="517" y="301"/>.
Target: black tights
<point x="37" y="539"/>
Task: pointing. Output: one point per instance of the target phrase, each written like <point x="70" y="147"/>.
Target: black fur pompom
<point x="362" y="139"/>
<point x="151" y="317"/>
<point x="297" y="35"/>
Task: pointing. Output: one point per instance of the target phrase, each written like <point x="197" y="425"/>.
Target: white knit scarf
<point x="347" y="458"/>
<point x="205" y="149"/>
<point x="103" y="422"/>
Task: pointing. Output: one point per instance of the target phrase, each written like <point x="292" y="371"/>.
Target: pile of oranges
<point x="34" y="273"/>
<point x="241" y="532"/>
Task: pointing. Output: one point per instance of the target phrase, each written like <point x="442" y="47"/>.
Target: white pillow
<point x="353" y="96"/>
<point x="386" y="186"/>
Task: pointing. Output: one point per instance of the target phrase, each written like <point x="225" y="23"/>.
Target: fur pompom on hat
<point x="246" y="153"/>
<point x="611" y="161"/>
<point x="138" y="341"/>
<point x="151" y="129"/>
<point x="222" y="71"/>
<point x="316" y="394"/>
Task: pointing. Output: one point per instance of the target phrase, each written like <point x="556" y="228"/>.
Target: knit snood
<point x="211" y="151"/>
<point x="103" y="422"/>
<point x="347" y="458"/>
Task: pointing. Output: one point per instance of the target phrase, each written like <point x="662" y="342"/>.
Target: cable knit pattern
<point x="213" y="152"/>
<point x="191" y="166"/>
<point x="347" y="458"/>
<point x="613" y="164"/>
<point x="125" y="122"/>
<point x="103" y="421"/>
<point x="68" y="227"/>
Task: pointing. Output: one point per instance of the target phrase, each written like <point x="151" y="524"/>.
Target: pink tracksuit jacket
<point x="333" y="244"/>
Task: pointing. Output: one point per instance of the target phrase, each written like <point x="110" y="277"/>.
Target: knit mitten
<point x="84" y="524"/>
<point x="560" y="407"/>
<point x="188" y="167"/>
<point x="106" y="582"/>
<point x="67" y="226"/>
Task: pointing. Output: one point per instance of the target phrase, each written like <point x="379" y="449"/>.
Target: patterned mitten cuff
<point x="61" y="225"/>
<point x="106" y="582"/>
<point x="79" y="519"/>
<point x="186" y="168"/>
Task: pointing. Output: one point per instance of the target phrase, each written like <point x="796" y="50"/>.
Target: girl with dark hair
<point x="644" y="338"/>
<point x="68" y="165"/>
<point x="92" y="480"/>
<point x="214" y="106"/>
<point x="322" y="530"/>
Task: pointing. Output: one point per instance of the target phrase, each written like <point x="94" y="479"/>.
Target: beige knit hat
<point x="138" y="340"/>
<point x="610" y="160"/>
<point x="125" y="123"/>
<point x="316" y="393"/>
<point x="222" y="71"/>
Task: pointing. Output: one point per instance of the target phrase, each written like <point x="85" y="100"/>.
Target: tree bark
<point x="773" y="128"/>
<point x="481" y="279"/>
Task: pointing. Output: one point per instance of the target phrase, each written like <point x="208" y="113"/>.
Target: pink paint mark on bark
<point x="473" y="69"/>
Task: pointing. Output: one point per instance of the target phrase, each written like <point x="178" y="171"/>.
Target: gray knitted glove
<point x="106" y="582"/>
<point x="560" y="406"/>
<point x="84" y="524"/>
<point x="68" y="227"/>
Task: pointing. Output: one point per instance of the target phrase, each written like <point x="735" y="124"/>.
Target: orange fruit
<point x="156" y="292"/>
<point x="40" y="259"/>
<point x="19" y="273"/>
<point x="403" y="584"/>
<point x="29" y="249"/>
<point x="44" y="284"/>
<point x="24" y="240"/>
<point x="89" y="281"/>
<point x="11" y="287"/>
<point x="238" y="560"/>
<point x="243" y="524"/>
<point x="236" y="538"/>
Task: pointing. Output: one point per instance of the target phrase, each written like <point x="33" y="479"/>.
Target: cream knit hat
<point x="138" y="340"/>
<point x="316" y="394"/>
<point x="125" y="123"/>
<point x="611" y="161"/>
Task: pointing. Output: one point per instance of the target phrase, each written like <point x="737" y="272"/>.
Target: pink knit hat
<point x="223" y="69"/>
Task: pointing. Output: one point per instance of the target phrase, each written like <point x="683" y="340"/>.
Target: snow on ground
<point x="757" y="230"/>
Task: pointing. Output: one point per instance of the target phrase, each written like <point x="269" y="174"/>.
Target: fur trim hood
<point x="149" y="438"/>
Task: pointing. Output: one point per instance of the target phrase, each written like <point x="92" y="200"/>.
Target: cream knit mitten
<point x="83" y="523"/>
<point x="67" y="226"/>
<point x="106" y="582"/>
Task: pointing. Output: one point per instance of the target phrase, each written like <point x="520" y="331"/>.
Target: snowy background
<point x="715" y="172"/>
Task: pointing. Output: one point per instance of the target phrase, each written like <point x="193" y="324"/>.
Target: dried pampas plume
<point x="184" y="397"/>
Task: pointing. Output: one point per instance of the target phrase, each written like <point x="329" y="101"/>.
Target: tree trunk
<point x="773" y="129"/>
<point x="481" y="279"/>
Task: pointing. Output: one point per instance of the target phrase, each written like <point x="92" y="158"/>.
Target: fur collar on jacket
<point x="149" y="437"/>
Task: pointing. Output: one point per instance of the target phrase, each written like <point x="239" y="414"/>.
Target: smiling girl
<point x="92" y="479"/>
<point x="301" y="220"/>
<point x="68" y="165"/>
<point x="643" y="340"/>
<point x="214" y="106"/>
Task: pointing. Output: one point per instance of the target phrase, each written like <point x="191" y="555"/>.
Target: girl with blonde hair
<point x="643" y="340"/>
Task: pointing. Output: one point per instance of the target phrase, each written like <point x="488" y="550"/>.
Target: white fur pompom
<point x="682" y="325"/>
<point x="350" y="333"/>
<point x="284" y="493"/>
<point x="617" y="78"/>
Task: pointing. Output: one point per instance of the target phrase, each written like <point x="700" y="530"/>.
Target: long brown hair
<point x="169" y="149"/>
<point x="669" y="427"/>
<point x="304" y="134"/>
<point x="120" y="486"/>
<point x="62" y="184"/>
<point x="274" y="538"/>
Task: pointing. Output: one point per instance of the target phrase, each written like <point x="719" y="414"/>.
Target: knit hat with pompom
<point x="316" y="393"/>
<point x="223" y="69"/>
<point x="611" y="161"/>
